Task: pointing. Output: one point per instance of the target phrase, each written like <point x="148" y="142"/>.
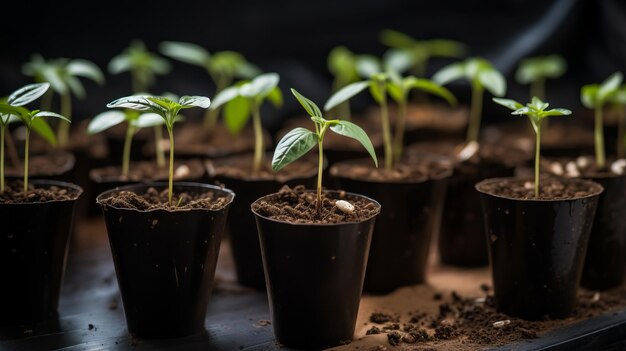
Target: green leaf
<point x="18" y="111"/>
<point x="185" y="52"/>
<point x="446" y="48"/>
<point x="292" y="146"/>
<point x="493" y="81"/>
<point x="450" y="73"/>
<point x="27" y="94"/>
<point x="368" y="65"/>
<point x="104" y="121"/>
<point x="319" y="120"/>
<point x="537" y="104"/>
<point x="376" y="90"/>
<point x="609" y="86"/>
<point x="276" y="97"/>
<point x="589" y="94"/>
<point x="534" y="68"/>
<point x="40" y="114"/>
<point x="76" y="87"/>
<point x="556" y="112"/>
<point x="345" y="94"/>
<point x="431" y="87"/>
<point x="511" y="104"/>
<point x="51" y="75"/>
<point x="140" y="103"/>
<point x="341" y="62"/>
<point x="194" y="101"/>
<point x="397" y="60"/>
<point x="148" y="120"/>
<point x="86" y="69"/>
<point x="236" y="114"/>
<point x="310" y="107"/>
<point x="224" y="96"/>
<point x="260" y="86"/>
<point x="42" y="128"/>
<point x="355" y="132"/>
<point x="522" y="111"/>
<point x="395" y="39"/>
<point x="396" y="91"/>
<point x="118" y="64"/>
<point x="246" y="70"/>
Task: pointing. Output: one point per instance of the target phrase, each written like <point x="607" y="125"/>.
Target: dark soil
<point x="381" y="318"/>
<point x="549" y="189"/>
<point x="298" y="206"/>
<point x="240" y="167"/>
<point x="487" y="153"/>
<point x="438" y="117"/>
<point x="13" y="193"/>
<point x="583" y="166"/>
<point x="155" y="200"/>
<point x="476" y="321"/>
<point x="417" y="170"/>
<point x="149" y="171"/>
<point x="44" y="165"/>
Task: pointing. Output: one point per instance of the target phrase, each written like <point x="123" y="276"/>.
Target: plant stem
<point x="320" y="168"/>
<point x="537" y="157"/>
<point x="386" y="132"/>
<point x="342" y="111"/>
<point x="171" y="174"/>
<point x="64" y="127"/>
<point x="537" y="88"/>
<point x="127" y="147"/>
<point x="599" y="138"/>
<point x="26" y="159"/>
<point x="398" y="141"/>
<point x="160" y="153"/>
<point x="1" y="158"/>
<point x="473" y="128"/>
<point x="15" y="159"/>
<point x="258" y="138"/>
<point x="211" y="116"/>
<point x="621" y="129"/>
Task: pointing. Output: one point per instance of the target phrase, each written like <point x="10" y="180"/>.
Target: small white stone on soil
<point x="344" y="206"/>
<point x="596" y="297"/>
<point x="480" y="300"/>
<point x="572" y="170"/>
<point x="500" y="324"/>
<point x="556" y="168"/>
<point x="582" y="161"/>
<point x="182" y="171"/>
<point x="468" y="151"/>
<point x="619" y="166"/>
<point x="529" y="185"/>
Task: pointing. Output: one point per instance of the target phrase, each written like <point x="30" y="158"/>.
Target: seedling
<point x="13" y="107"/>
<point x="415" y="54"/>
<point x="536" y="112"/>
<point x="244" y="99"/>
<point x="222" y="66"/>
<point x="482" y="75"/>
<point x="535" y="71"/>
<point x="143" y="66"/>
<point x="342" y="64"/>
<point x="63" y="75"/>
<point x="619" y="106"/>
<point x="299" y="141"/>
<point x="168" y="110"/>
<point x="595" y="96"/>
<point x="135" y="121"/>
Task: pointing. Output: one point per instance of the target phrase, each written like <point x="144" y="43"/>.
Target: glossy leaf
<point x="511" y="104"/>
<point x="430" y="87"/>
<point x="236" y="114"/>
<point x="609" y="86"/>
<point x="341" y="62"/>
<point x="86" y="69"/>
<point x="397" y="60"/>
<point x="146" y="120"/>
<point x="42" y="128"/>
<point x="493" y="81"/>
<point x="185" y="52"/>
<point x="557" y="112"/>
<point x="368" y="65"/>
<point x="292" y="146"/>
<point x="446" y="48"/>
<point x="49" y="114"/>
<point x="194" y="101"/>
<point x="355" y="132"/>
<point x="534" y="68"/>
<point x="224" y="96"/>
<point x="588" y="95"/>
<point x="395" y="39"/>
<point x="376" y="90"/>
<point x="247" y="70"/>
<point x="310" y="107"/>
<point x="260" y="86"/>
<point x="27" y="94"/>
<point x="344" y="94"/>
<point x="51" y="75"/>
<point x="104" y="121"/>
<point x="18" y="111"/>
<point x="76" y="87"/>
<point x="140" y="103"/>
<point x="119" y="64"/>
<point x="276" y="97"/>
<point x="450" y="73"/>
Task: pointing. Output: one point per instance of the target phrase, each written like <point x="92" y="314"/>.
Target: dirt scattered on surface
<point x="417" y="170"/>
<point x="549" y="189"/>
<point x="381" y="318"/>
<point x="14" y="193"/>
<point x="155" y="200"/>
<point x="150" y="171"/>
<point x="296" y="205"/>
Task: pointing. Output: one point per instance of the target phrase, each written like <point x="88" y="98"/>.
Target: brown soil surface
<point x="149" y="171"/>
<point x="583" y="166"/>
<point x="46" y="165"/>
<point x="417" y="170"/>
<point x="155" y="200"/>
<point x="240" y="167"/>
<point x="14" y="194"/>
<point x="489" y="153"/>
<point x="298" y="206"/>
<point x="549" y="189"/>
<point x="429" y="116"/>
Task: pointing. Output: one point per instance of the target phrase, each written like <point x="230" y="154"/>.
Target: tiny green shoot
<point x="168" y="109"/>
<point x="299" y="141"/>
<point x="595" y="96"/>
<point x="482" y="75"/>
<point x="222" y="66"/>
<point x="536" y="111"/>
<point x="245" y="98"/>
<point x="535" y="71"/>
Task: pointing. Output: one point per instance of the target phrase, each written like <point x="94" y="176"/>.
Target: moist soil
<point x="416" y="170"/>
<point x="549" y="189"/>
<point x="489" y="153"/>
<point x="434" y="117"/>
<point x="149" y="171"/>
<point x="240" y="167"/>
<point x="297" y="205"/>
<point x="152" y="199"/>
<point x="583" y="167"/>
<point x="14" y="193"/>
<point x="45" y="165"/>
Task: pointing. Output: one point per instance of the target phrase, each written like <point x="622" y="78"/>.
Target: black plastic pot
<point x="314" y="275"/>
<point x="410" y="214"/>
<point x="34" y="240"/>
<point x="537" y="250"/>
<point x="605" y="263"/>
<point x="241" y="228"/>
<point x="165" y="261"/>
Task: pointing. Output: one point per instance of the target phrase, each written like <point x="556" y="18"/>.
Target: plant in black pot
<point x="411" y="193"/>
<point x="537" y="232"/>
<point x="165" y="238"/>
<point x="38" y="217"/>
<point x="314" y="244"/>
<point x="250" y="175"/>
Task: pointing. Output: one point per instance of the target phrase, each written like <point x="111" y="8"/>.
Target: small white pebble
<point x="468" y="151"/>
<point x="480" y="300"/>
<point x="596" y="297"/>
<point x="572" y="170"/>
<point x="619" y="166"/>
<point x="182" y="171"/>
<point x="556" y="168"/>
<point x="529" y="185"/>
<point x="344" y="206"/>
<point x="582" y="162"/>
<point x="500" y="324"/>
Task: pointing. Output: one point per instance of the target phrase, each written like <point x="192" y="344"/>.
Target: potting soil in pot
<point x="153" y="199"/>
<point x="14" y="193"/>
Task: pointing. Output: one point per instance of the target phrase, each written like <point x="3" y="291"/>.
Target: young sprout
<point x="619" y="106"/>
<point x="143" y="66"/>
<point x="535" y="71"/>
<point x="13" y="107"/>
<point x="536" y="112"/>
<point x="63" y="74"/>
<point x="342" y="64"/>
<point x="135" y="121"/>
<point x="168" y="110"/>
<point x="415" y="54"/>
<point x="299" y="141"/>
<point x="246" y="98"/>
<point x="482" y="75"/>
<point x="222" y="66"/>
<point x="595" y="96"/>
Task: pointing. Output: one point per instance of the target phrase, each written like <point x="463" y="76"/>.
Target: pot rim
<point x="103" y="195"/>
<point x="59" y="171"/>
<point x="94" y="177"/>
<point x="318" y="224"/>
<point x="599" y="189"/>
<point x="58" y="183"/>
